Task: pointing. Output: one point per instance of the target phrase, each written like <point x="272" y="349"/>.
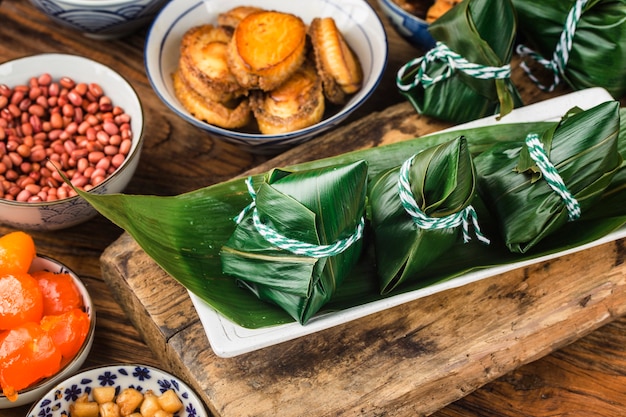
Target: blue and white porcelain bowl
<point x="356" y="19"/>
<point x="412" y="28"/>
<point x="63" y="213"/>
<point x="101" y="19"/>
<point x="57" y="401"/>
<point x="35" y="391"/>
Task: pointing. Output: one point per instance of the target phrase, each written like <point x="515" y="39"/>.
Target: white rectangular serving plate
<point x="228" y="339"/>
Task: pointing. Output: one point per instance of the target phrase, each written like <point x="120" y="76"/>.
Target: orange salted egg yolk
<point x="17" y="251"/>
<point x="58" y="291"/>
<point x="27" y="354"/>
<point x="43" y="322"/>
<point x="20" y="300"/>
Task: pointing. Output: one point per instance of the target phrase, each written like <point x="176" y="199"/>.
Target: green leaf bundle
<point x="583" y="149"/>
<point x="318" y="207"/>
<point x="442" y="183"/>
<point x="468" y="30"/>
<point x="597" y="57"/>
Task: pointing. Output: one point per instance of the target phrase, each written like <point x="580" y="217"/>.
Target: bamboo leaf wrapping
<point x="597" y="57"/>
<point x="468" y="29"/>
<point x="583" y="149"/>
<point x="443" y="183"/>
<point x="185" y="233"/>
<point x="320" y="207"/>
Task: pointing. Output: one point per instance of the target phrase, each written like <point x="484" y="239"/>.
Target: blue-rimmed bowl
<point x="57" y="401"/>
<point x="411" y="27"/>
<point x="101" y="19"/>
<point x="356" y="19"/>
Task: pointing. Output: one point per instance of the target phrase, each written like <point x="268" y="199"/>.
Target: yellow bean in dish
<point x="105" y="402"/>
<point x="120" y="390"/>
<point x="265" y="70"/>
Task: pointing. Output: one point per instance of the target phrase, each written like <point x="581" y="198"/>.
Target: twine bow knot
<point x="292" y="245"/>
<point x="461" y="218"/>
<point x="454" y="62"/>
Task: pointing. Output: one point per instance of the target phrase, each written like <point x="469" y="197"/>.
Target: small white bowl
<point x="101" y="19"/>
<point x="34" y="392"/>
<point x="411" y="27"/>
<point x="57" y="401"/>
<point x="71" y="211"/>
<point x="356" y="19"/>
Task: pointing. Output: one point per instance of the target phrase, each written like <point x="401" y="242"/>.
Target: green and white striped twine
<point x="561" y="53"/>
<point x="550" y="173"/>
<point x="292" y="245"/>
<point x="455" y="62"/>
<point x="421" y="220"/>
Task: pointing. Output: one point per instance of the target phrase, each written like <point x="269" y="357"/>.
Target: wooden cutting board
<point x="410" y="360"/>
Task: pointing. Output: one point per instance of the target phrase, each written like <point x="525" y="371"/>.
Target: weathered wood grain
<point x="410" y="360"/>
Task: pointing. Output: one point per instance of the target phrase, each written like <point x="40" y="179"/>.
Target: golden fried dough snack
<point x="226" y="115"/>
<point x="267" y="64"/>
<point x="266" y="48"/>
<point x="203" y="64"/>
<point x="337" y="64"/>
<point x="296" y="104"/>
<point x="439" y="8"/>
<point x="231" y="18"/>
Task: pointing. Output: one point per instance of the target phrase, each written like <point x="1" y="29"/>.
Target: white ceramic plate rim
<point x="162" y="52"/>
<point x="227" y="339"/>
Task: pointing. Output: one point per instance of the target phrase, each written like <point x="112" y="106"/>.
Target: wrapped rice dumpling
<point x="466" y="76"/>
<point x="300" y="237"/>
<point x="534" y="188"/>
<point x="580" y="42"/>
<point x="419" y="210"/>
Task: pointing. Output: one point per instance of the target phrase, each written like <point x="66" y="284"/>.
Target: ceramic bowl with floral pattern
<point x="57" y="401"/>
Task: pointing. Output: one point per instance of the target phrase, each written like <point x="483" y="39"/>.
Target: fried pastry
<point x="232" y="115"/>
<point x="439" y="8"/>
<point x="266" y="49"/>
<point x="338" y="66"/>
<point x="231" y="18"/>
<point x="203" y="64"/>
<point x="296" y="104"/>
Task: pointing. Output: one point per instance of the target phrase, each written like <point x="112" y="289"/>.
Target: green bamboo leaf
<point x="468" y="30"/>
<point x="184" y="233"/>
<point x="585" y="154"/>
<point x="598" y="53"/>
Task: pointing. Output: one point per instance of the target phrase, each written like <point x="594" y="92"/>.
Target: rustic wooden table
<point x="585" y="377"/>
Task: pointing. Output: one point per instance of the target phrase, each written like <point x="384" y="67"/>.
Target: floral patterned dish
<point x="141" y="377"/>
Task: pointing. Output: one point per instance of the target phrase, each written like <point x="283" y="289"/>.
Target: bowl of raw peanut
<point x="120" y="390"/>
<point x="66" y="123"/>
